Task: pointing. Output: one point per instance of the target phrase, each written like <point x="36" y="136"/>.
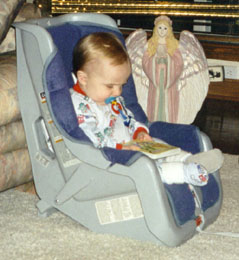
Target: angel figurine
<point x="171" y="76"/>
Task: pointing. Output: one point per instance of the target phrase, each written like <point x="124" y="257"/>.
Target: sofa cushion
<point x="9" y="107"/>
<point x="27" y="11"/>
<point x="8" y="71"/>
<point x="8" y="11"/>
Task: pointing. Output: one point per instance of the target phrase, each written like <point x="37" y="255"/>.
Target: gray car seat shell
<point x="107" y="191"/>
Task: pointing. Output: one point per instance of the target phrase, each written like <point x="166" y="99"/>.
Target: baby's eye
<point x="109" y="86"/>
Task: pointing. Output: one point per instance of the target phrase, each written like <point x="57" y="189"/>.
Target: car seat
<point x="106" y="190"/>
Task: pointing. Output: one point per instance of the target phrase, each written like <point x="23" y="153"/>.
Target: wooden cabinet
<point x="222" y="48"/>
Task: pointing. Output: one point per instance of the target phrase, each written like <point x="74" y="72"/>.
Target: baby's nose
<point x="117" y="91"/>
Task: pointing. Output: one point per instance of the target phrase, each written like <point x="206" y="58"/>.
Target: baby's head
<point x="101" y="65"/>
<point x="98" y="45"/>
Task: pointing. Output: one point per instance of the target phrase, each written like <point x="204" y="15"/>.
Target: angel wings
<point x="171" y="78"/>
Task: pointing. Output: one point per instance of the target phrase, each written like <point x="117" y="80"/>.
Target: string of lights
<point x="145" y="8"/>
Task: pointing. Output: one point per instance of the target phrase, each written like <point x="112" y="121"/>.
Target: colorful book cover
<point x="154" y="149"/>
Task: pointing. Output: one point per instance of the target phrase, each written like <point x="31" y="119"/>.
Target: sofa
<point x="15" y="165"/>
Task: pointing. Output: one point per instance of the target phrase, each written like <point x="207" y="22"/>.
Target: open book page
<point x="155" y="149"/>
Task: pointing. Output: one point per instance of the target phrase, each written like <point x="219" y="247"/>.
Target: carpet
<point x="26" y="236"/>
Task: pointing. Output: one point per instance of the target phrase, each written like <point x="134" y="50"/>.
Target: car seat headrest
<point x="66" y="36"/>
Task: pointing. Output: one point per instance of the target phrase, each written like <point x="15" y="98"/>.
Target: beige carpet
<point x="23" y="235"/>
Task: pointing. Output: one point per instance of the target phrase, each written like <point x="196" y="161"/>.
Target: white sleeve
<point x="133" y="124"/>
<point x="88" y="122"/>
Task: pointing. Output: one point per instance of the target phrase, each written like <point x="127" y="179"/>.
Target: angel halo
<point x="171" y="76"/>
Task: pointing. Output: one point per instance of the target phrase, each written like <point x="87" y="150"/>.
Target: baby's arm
<point x="142" y="136"/>
<point x="130" y="147"/>
<point x="137" y="130"/>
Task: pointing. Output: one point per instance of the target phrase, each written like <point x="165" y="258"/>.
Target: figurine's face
<point x="162" y="30"/>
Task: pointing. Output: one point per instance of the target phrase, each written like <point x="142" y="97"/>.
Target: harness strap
<point x="200" y="219"/>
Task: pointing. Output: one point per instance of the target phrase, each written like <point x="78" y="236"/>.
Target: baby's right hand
<point x="131" y="147"/>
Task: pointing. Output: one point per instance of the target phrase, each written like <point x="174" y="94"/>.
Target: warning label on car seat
<point x="119" y="209"/>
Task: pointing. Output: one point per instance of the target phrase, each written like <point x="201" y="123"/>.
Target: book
<point x="155" y="149"/>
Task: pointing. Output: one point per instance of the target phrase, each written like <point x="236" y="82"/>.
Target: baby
<point x="102" y="67"/>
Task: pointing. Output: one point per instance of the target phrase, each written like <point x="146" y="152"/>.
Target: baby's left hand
<point x="143" y="136"/>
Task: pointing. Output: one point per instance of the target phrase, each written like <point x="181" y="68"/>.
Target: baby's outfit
<point x="109" y="125"/>
<point x="113" y="124"/>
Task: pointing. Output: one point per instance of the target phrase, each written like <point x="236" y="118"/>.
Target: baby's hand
<point x="131" y="147"/>
<point x="142" y="136"/>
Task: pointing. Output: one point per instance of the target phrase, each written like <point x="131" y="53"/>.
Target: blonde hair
<point x="171" y="41"/>
<point x="98" y="45"/>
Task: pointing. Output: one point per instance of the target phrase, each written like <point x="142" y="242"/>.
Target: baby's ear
<point x="82" y="77"/>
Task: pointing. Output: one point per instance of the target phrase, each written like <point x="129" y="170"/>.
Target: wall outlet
<point x="231" y="72"/>
<point x="216" y="73"/>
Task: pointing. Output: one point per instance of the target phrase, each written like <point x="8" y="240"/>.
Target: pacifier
<point x="109" y="100"/>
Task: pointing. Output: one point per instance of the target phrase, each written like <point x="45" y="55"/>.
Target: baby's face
<point x="105" y="80"/>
